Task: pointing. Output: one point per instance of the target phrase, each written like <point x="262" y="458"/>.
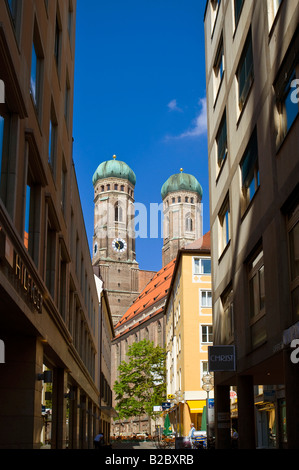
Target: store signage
<point x="27" y="283"/>
<point x="166" y="405"/>
<point x="222" y="358"/>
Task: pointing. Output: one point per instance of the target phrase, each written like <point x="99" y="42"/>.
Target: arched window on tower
<point x="188" y="223"/>
<point x="118" y="213"/>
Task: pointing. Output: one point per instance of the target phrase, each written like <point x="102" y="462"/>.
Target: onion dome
<point x="181" y="182"/>
<point x="114" y="169"/>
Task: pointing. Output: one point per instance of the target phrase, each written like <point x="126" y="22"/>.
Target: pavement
<point x="123" y="444"/>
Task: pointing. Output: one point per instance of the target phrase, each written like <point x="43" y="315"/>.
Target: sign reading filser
<point x="222" y="358"/>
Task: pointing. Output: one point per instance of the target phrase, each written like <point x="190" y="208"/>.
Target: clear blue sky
<point x="140" y="94"/>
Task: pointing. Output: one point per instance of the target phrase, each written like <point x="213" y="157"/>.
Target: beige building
<point x="252" y="73"/>
<point x="49" y="305"/>
<point x="189" y="333"/>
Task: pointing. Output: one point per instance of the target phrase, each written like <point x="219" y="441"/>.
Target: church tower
<point x="114" y="234"/>
<point x="182" y="209"/>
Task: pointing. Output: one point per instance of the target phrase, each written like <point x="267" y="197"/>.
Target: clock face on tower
<point x="119" y="245"/>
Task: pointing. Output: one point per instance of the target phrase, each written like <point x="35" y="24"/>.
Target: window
<point x="36" y="75"/>
<point x="63" y="186"/>
<point x="238" y="10"/>
<point x="293" y="238"/>
<point x="67" y="100"/>
<point x="221" y="141"/>
<point x="245" y="72"/>
<point x="286" y="89"/>
<point x="227" y="317"/>
<point x="218" y="68"/>
<point x="1" y="142"/>
<point x="50" y="260"/>
<point x="206" y="334"/>
<point x="57" y="43"/>
<point x="224" y="225"/>
<point x="52" y="150"/>
<point x="250" y="171"/>
<point x="70" y="20"/>
<point x="214" y="11"/>
<point x="257" y="286"/>
<point x="13" y="9"/>
<point x="188" y="223"/>
<point x="118" y="213"/>
<point x="201" y="266"/>
<point x="31" y="221"/>
<point x="206" y="298"/>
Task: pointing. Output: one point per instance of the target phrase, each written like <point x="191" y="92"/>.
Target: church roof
<point x="114" y="168"/>
<point x="155" y="291"/>
<point x="180" y="182"/>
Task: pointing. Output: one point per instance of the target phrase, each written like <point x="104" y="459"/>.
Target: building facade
<point x="182" y="213"/>
<point x="251" y="75"/>
<point x="189" y="332"/>
<point x="49" y="305"/>
<point x="114" y="235"/>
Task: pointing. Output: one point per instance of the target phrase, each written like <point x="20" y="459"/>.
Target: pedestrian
<point x="192" y="430"/>
<point x="98" y="441"/>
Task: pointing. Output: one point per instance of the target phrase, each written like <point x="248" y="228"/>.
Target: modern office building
<point x="49" y="304"/>
<point x="252" y="71"/>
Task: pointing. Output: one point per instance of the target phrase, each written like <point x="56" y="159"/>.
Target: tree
<point x="141" y="384"/>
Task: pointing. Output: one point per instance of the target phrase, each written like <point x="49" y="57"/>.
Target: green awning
<point x="204" y="419"/>
<point x="167" y="427"/>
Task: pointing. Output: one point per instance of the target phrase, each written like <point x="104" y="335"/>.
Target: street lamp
<point x="178" y="399"/>
<point x="208" y="385"/>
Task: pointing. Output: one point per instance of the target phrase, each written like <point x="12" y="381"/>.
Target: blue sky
<point x="140" y="94"/>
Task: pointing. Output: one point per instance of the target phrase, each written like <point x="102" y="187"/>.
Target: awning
<point x="196" y="406"/>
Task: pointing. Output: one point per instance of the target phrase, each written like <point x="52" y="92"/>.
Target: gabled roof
<point x="155" y="291"/>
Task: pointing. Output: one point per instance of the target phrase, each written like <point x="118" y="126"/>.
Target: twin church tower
<point x="114" y="255"/>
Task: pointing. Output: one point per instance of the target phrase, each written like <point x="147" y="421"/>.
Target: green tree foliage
<point x="141" y="384"/>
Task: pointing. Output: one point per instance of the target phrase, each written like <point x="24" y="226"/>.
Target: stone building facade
<point x="114" y="235"/>
<point x="252" y="72"/>
<point x="50" y="383"/>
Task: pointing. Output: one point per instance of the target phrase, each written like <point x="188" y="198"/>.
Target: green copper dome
<point x="114" y="168"/>
<point x="180" y="182"/>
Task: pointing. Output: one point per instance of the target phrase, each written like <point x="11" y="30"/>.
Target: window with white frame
<point x="206" y="298"/>
<point x="201" y="266"/>
<point x="206" y="333"/>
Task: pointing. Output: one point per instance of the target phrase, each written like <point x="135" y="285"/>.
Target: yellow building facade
<point x="189" y="332"/>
